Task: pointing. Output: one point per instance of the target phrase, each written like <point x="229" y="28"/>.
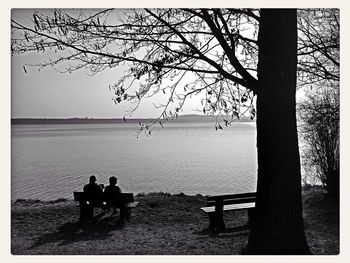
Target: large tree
<point x="278" y="228"/>
<point x="227" y="55"/>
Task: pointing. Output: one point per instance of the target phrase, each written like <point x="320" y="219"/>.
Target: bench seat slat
<point x="232" y="201"/>
<point x="230" y="196"/>
<point x="132" y="205"/>
<point x="211" y="209"/>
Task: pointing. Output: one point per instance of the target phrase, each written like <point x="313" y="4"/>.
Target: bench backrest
<point x="231" y="199"/>
<point x="122" y="197"/>
<point x="79" y="196"/>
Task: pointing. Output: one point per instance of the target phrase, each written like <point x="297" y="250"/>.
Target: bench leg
<point x="122" y="216"/>
<point x="128" y="214"/>
<point x="251" y="214"/>
<point x="86" y="212"/>
<point x="82" y="211"/>
<point x="216" y="221"/>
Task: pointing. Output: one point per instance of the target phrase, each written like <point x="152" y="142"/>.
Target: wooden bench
<point x="216" y="205"/>
<point x="117" y="201"/>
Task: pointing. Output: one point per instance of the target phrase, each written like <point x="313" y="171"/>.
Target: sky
<point x="50" y="94"/>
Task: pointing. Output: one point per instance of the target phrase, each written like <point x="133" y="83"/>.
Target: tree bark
<point x="278" y="226"/>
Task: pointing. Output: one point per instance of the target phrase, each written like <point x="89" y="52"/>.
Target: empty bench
<point x="87" y="203"/>
<point x="217" y="204"/>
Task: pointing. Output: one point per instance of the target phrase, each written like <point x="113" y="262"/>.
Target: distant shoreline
<point x="181" y="119"/>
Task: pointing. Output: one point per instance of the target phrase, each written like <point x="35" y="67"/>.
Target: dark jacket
<point x="110" y="192"/>
<point x="94" y="193"/>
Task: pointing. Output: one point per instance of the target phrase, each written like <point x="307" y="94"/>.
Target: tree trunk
<point x="278" y="227"/>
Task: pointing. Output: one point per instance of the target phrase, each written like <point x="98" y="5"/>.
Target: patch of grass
<point x="321" y="218"/>
<point x="162" y="224"/>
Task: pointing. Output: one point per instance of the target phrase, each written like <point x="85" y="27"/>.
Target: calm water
<point x="51" y="161"/>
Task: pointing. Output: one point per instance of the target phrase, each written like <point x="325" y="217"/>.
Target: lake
<point x="52" y="161"/>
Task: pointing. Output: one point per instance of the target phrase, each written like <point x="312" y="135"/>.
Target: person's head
<point x="113" y="180"/>
<point x="92" y="179"/>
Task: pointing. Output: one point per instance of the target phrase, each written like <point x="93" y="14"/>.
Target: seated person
<point x="93" y="191"/>
<point x="112" y="190"/>
<point x="94" y="194"/>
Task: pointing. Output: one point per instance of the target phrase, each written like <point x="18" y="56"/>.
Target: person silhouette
<point x="112" y="189"/>
<point x="94" y="194"/>
<point x="110" y="192"/>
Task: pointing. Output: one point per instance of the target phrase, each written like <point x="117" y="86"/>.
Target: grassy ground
<point x="160" y="225"/>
